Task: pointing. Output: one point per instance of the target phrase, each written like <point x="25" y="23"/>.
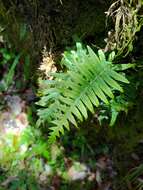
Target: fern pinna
<point x="89" y="80"/>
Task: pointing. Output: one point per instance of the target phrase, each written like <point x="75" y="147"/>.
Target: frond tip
<point x="90" y="79"/>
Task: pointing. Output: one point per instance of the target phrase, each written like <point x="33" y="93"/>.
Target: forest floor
<point x="102" y="162"/>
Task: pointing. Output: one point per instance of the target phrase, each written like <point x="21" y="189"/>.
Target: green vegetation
<point x="89" y="80"/>
<point x="71" y="95"/>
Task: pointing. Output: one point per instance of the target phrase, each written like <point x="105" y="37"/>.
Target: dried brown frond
<point x="48" y="63"/>
<point x="127" y="22"/>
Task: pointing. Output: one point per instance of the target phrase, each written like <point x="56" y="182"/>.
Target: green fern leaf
<point x="90" y="81"/>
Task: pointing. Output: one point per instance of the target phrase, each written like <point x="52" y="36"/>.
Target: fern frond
<point x="93" y="80"/>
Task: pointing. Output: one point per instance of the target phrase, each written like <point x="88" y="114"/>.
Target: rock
<point x="48" y="170"/>
<point x="14" y="103"/>
<point x="43" y="177"/>
<point x="78" y="171"/>
<point x="135" y="156"/>
<point x="12" y="125"/>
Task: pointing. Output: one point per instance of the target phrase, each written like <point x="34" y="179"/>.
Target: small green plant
<point x="14" y="30"/>
<point x="135" y="177"/>
<point x="90" y="80"/>
<point x="10" y="60"/>
<point x="121" y="103"/>
<point x="24" y="151"/>
<point x="7" y="58"/>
